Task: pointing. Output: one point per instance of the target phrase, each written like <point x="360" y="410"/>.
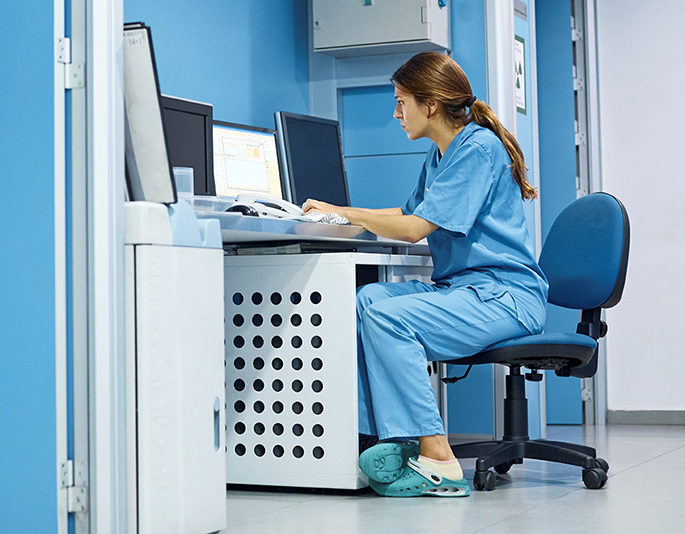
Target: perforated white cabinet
<point x="175" y="362"/>
<point x="291" y="367"/>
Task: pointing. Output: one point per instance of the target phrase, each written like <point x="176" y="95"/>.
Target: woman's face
<point x="413" y="116"/>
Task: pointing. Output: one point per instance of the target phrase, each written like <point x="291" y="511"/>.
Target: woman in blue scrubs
<point x="487" y="286"/>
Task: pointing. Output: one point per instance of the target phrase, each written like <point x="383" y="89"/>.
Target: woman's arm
<point x="388" y="222"/>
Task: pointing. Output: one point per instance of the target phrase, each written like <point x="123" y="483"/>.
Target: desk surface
<point x="237" y="228"/>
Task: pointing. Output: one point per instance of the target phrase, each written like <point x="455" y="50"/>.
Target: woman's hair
<point x="435" y="77"/>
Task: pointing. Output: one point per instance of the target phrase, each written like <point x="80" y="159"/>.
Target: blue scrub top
<point x="482" y="240"/>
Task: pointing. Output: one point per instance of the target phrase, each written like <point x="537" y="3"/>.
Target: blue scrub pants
<point x="400" y="327"/>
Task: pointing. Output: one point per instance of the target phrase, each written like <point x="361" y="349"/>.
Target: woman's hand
<point x="320" y="207"/>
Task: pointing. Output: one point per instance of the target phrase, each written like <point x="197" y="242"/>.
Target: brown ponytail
<point x="431" y="76"/>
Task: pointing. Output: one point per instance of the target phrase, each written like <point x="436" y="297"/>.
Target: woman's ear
<point x="432" y="107"/>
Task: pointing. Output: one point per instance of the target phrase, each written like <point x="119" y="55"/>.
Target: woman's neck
<point x="444" y="136"/>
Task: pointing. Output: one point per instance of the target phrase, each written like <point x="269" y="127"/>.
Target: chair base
<point x="501" y="455"/>
<point x="516" y="445"/>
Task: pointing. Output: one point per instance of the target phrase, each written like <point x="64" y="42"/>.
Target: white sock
<point x="449" y="469"/>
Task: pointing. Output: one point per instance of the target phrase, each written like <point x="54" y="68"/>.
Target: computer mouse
<point x="245" y="210"/>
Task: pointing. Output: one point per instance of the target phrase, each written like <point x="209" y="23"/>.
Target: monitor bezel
<point x="258" y="129"/>
<point x="281" y="118"/>
<point x="176" y="103"/>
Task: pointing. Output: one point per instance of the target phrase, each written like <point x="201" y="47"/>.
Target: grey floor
<point x="643" y="495"/>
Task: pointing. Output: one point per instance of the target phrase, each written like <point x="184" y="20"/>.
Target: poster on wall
<point x="520" y="68"/>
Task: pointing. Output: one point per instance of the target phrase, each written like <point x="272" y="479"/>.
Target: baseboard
<point x="646" y="417"/>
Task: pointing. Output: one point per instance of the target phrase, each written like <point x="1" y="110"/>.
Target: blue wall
<point x="28" y="491"/>
<point x="556" y="111"/>
<point x="247" y="59"/>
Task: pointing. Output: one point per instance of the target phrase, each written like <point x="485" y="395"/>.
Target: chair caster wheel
<point x="484" y="480"/>
<point x="594" y="478"/>
<point x="602" y="464"/>
<point x="503" y="467"/>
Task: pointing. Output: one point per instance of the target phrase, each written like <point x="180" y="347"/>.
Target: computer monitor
<point x="311" y="151"/>
<point x="246" y="160"/>
<point x="188" y="126"/>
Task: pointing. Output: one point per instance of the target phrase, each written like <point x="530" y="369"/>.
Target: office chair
<point x="585" y="257"/>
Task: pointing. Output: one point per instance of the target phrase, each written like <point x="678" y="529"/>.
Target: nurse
<point x="487" y="286"/>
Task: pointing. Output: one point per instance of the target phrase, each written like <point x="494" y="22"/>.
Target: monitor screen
<point x="188" y="126"/>
<point x="245" y="160"/>
<point x="311" y="149"/>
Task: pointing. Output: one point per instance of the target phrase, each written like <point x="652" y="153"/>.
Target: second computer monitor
<point x="313" y="163"/>
<point x="246" y="160"/>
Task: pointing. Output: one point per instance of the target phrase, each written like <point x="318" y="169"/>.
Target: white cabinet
<point x="175" y="397"/>
<point x="366" y="27"/>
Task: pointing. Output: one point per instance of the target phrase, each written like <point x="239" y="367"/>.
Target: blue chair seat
<point x="553" y="351"/>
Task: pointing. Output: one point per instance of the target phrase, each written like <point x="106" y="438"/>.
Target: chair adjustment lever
<point x="453" y="379"/>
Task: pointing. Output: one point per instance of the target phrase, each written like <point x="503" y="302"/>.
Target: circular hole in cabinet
<point x="239" y="406"/>
<point x="296" y="342"/>
<point x="239" y="428"/>
<point x="276" y="299"/>
<point x="295" y="298"/>
<point x="257" y="298"/>
<point x="259" y="450"/>
<point x="259" y="428"/>
<point x="315" y="297"/>
<point x="258" y="406"/>
<point x="277" y="364"/>
<point x="258" y="342"/>
<point x="317" y="364"/>
<point x="317" y="342"/>
<point x="238" y="320"/>
<point x="258" y="363"/>
<point x="239" y="385"/>
<point x="298" y="452"/>
<point x="316" y="320"/>
<point x="297" y="386"/>
<point x="317" y="408"/>
<point x="278" y="429"/>
<point x="298" y="429"/>
<point x="276" y="320"/>
<point x="317" y="386"/>
<point x="240" y="449"/>
<point x="296" y="320"/>
<point x="238" y="342"/>
<point x="277" y="385"/>
<point x="238" y="299"/>
<point x="257" y="320"/>
<point x="297" y="364"/>
<point x="317" y="430"/>
<point x="298" y="408"/>
<point x="277" y="407"/>
<point x="258" y="385"/>
<point x="277" y="342"/>
<point x="318" y="453"/>
<point x="278" y="451"/>
<point x="239" y="363"/>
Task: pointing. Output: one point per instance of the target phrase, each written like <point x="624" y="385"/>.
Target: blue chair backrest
<point x="585" y="255"/>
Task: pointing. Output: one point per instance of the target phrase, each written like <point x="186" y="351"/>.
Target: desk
<point x="291" y="365"/>
<point x="239" y="229"/>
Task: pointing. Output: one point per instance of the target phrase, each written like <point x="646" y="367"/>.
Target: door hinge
<point x="73" y="480"/>
<point x="74" y="73"/>
<point x="586" y="392"/>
